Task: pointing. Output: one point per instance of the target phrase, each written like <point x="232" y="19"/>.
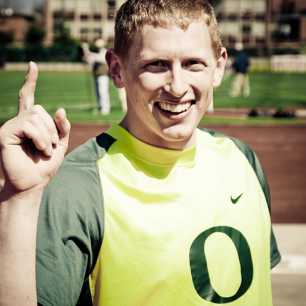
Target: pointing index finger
<point x="27" y="91"/>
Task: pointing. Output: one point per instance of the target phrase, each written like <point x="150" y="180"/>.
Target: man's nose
<point x="177" y="85"/>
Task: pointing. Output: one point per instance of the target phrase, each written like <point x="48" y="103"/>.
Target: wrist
<point x="9" y="194"/>
<point x="18" y="217"/>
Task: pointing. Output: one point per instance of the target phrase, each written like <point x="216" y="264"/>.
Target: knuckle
<point x="35" y="118"/>
<point x="41" y="144"/>
<point x="26" y="126"/>
<point x="35" y="111"/>
<point x="38" y="108"/>
<point x="39" y="141"/>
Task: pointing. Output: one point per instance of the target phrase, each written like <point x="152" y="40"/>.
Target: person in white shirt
<point x="100" y="74"/>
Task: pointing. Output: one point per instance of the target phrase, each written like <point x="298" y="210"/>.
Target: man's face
<point x="169" y="75"/>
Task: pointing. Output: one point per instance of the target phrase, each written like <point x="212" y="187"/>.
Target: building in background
<point x="243" y="21"/>
<point x="15" y="20"/>
<point x="290" y="19"/>
<point x="85" y="19"/>
<point x="268" y="24"/>
<point x="259" y="24"/>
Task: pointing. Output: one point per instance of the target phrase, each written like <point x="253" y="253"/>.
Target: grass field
<point x="74" y="91"/>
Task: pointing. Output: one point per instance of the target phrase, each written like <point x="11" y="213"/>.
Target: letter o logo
<point x="199" y="269"/>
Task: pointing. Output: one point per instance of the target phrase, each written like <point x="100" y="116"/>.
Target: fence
<point x="277" y="63"/>
<point x="49" y="66"/>
<point x="280" y="63"/>
<point x="288" y="63"/>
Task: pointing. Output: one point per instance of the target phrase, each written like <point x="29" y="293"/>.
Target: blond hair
<point x="134" y="14"/>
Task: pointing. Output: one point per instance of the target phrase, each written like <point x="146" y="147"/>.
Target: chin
<point x="178" y="136"/>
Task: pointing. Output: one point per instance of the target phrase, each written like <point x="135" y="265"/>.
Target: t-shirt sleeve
<point x="70" y="231"/>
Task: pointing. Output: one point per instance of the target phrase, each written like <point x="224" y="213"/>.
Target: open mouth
<point x="175" y="108"/>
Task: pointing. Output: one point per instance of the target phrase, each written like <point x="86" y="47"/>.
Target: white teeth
<point x="175" y="108"/>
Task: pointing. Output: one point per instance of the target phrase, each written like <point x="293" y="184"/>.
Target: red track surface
<point x="282" y="152"/>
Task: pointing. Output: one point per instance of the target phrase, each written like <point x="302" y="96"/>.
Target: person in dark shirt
<point x="240" y="66"/>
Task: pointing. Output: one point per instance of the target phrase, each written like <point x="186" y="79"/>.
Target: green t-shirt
<point x="125" y="223"/>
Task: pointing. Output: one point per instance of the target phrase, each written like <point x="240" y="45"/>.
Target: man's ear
<point x="219" y="71"/>
<point x="114" y="68"/>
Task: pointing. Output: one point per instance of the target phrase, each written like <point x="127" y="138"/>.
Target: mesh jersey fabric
<point x="161" y="216"/>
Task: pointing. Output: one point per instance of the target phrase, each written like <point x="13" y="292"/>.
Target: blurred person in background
<point x="240" y="67"/>
<point x="100" y="73"/>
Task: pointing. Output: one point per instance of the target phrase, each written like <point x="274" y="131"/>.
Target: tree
<point x="35" y="36"/>
<point x="6" y="38"/>
<point x="64" y="47"/>
<point x="62" y="35"/>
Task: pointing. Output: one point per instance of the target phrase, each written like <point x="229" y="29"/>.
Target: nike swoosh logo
<point x="235" y="200"/>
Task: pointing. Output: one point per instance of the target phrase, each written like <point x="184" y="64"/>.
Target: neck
<point x="156" y="140"/>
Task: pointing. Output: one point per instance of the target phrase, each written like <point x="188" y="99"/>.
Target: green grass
<point x="276" y="90"/>
<point x="74" y="91"/>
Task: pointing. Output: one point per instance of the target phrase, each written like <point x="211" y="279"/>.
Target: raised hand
<point x="32" y="144"/>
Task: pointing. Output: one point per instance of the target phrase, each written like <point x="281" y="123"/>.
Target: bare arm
<point x="32" y="147"/>
<point x="92" y="57"/>
<point x="88" y="56"/>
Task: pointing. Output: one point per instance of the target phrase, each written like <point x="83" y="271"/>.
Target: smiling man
<point x="170" y="72"/>
<point x="152" y="212"/>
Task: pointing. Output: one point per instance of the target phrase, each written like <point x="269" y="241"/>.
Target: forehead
<point x="172" y="41"/>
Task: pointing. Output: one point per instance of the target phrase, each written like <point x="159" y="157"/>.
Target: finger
<point x="63" y="126"/>
<point x="37" y="133"/>
<point x="27" y="91"/>
<point x="48" y="122"/>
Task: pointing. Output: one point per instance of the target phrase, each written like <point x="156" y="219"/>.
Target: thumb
<point x="27" y="91"/>
<point x="63" y="126"/>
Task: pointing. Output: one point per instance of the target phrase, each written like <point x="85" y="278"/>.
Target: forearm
<point x="88" y="56"/>
<point x="18" y="226"/>
<point x="32" y="147"/>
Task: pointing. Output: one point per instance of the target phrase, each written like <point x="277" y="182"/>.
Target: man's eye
<point x="156" y="66"/>
<point x="195" y="65"/>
